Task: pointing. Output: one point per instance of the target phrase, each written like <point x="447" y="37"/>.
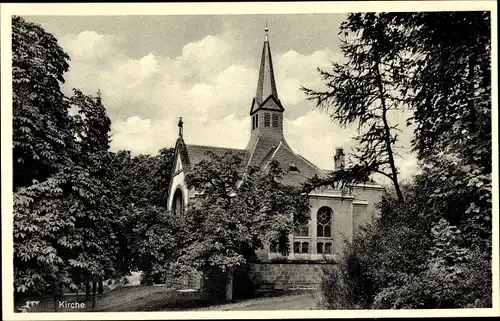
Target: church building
<point x="335" y="215"/>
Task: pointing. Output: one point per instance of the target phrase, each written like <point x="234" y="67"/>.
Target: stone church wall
<point x="342" y="220"/>
<point x="288" y="275"/>
<point x="365" y="204"/>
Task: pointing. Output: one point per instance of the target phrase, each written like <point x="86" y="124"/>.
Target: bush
<point x="411" y="258"/>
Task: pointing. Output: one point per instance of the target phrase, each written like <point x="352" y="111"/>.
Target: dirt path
<point x="290" y="302"/>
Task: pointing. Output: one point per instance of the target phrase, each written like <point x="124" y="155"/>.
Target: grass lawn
<point x="136" y="298"/>
<point x="304" y="301"/>
<point x="161" y="298"/>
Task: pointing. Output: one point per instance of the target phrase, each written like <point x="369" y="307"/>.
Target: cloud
<point x="315" y="137"/>
<point x="209" y="84"/>
<point x="89" y="45"/>
<point x="146" y="136"/>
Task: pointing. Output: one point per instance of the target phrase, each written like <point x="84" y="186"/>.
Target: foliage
<point x="235" y="215"/>
<point x="365" y="90"/>
<point x="64" y="206"/>
<point x="433" y="250"/>
<point x="64" y="226"/>
<point x="142" y="184"/>
<point x="411" y="257"/>
<point x="41" y="124"/>
<point x="452" y="84"/>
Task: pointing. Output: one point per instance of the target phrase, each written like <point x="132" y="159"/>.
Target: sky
<point x="151" y="70"/>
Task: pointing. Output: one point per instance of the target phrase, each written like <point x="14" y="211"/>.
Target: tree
<point x="41" y="123"/>
<point x="452" y="104"/>
<point x="234" y="216"/>
<point x="97" y="220"/>
<point x="142" y="184"/>
<point x="65" y="208"/>
<point x="434" y="250"/>
<point x="64" y="227"/>
<point x="365" y="90"/>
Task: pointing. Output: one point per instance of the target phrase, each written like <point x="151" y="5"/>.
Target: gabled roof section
<point x="261" y="149"/>
<point x="271" y="103"/>
<point x="297" y="168"/>
<point x="180" y="152"/>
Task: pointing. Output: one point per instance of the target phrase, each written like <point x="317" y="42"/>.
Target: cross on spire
<point x="266" y="29"/>
<point x="180" y="125"/>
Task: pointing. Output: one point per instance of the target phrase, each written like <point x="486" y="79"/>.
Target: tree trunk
<point x="60" y="291"/>
<point x="100" y="288"/>
<point x="56" y="302"/>
<point x="229" y="285"/>
<point x="94" y="292"/>
<point x="387" y="129"/>
<point x="87" y="291"/>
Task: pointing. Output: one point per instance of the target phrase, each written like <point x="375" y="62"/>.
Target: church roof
<point x="197" y="153"/>
<point x="297" y="168"/>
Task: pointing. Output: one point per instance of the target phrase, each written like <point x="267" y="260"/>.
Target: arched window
<point x="178" y="203"/>
<point x="324" y="225"/>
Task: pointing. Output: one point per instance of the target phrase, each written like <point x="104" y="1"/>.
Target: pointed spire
<point x="266" y="85"/>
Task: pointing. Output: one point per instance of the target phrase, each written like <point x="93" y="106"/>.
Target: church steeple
<point x="266" y="111"/>
<point x="266" y="85"/>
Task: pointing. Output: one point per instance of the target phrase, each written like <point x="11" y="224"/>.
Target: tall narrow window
<point x="253" y="122"/>
<point x="305" y="247"/>
<point x="256" y="121"/>
<point x="328" y="248"/>
<point x="275" y="120"/>
<point x="296" y="247"/>
<point x="324" y="226"/>
<point x="320" y="247"/>
<point x="267" y="120"/>
<point x="178" y="204"/>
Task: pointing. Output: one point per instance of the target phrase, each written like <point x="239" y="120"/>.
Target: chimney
<point x="339" y="158"/>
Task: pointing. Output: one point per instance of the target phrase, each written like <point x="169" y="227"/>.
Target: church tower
<point x="266" y="111"/>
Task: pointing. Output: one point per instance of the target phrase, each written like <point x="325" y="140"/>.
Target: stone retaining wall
<point x="288" y="275"/>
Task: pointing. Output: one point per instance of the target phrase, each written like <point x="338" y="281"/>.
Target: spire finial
<point x="180" y="123"/>
<point x="266" y="29"/>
